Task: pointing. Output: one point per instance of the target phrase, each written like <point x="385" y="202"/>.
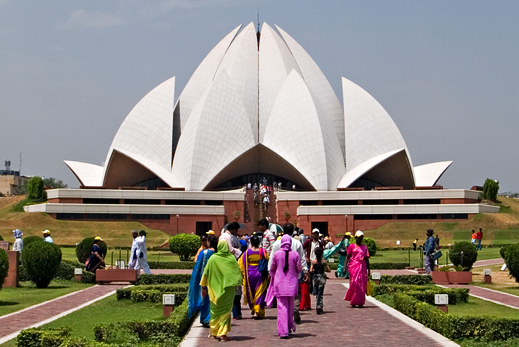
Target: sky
<point x="446" y="71"/>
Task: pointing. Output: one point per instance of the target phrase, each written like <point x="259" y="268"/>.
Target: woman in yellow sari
<point x="221" y="276"/>
<point x="254" y="283"/>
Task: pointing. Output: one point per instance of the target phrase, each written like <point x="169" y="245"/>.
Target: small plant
<point x="185" y="245"/>
<point x="84" y="248"/>
<point x="41" y="260"/>
<point x="463" y="254"/>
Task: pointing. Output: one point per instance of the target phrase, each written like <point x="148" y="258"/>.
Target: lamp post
<point x="346" y="219"/>
<point x="178" y="216"/>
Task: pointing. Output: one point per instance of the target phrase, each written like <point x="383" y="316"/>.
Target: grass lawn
<point x="108" y="310"/>
<point x="478" y="307"/>
<point x="403" y="256"/>
<point x="15" y="299"/>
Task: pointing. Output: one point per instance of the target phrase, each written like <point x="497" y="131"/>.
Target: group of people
<point x="138" y="256"/>
<point x="18" y="242"/>
<point x="272" y="271"/>
<point x="476" y="238"/>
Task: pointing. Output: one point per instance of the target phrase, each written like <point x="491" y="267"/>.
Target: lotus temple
<point x="258" y="132"/>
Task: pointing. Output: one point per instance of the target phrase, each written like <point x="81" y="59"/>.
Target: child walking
<point x="318" y="269"/>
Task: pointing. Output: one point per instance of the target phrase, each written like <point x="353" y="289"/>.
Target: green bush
<point x="38" y="337"/>
<point x="372" y="246"/>
<point x="156" y="296"/>
<point x="84" y="248"/>
<point x="185" y="245"/>
<point x="183" y="265"/>
<point x="30" y="239"/>
<point x="164" y="279"/>
<point x="377" y="266"/>
<point x="463" y="254"/>
<point x="4" y="266"/>
<point x="406" y="279"/>
<point x="126" y="293"/>
<point x="65" y="271"/>
<point x="512" y="260"/>
<point x="35" y="189"/>
<point x="172" y="328"/>
<point x="422" y="293"/>
<point x="88" y="277"/>
<point x="405" y="304"/>
<point x="1" y="238"/>
<point x="502" y="251"/>
<point x="41" y="260"/>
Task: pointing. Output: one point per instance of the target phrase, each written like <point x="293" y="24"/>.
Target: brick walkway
<point x="488" y="262"/>
<point x="490" y="295"/>
<point x="341" y="325"/>
<point x="40" y="314"/>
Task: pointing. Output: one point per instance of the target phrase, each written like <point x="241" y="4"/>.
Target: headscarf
<point x="222" y="271"/>
<point x="286" y="245"/>
<point x="17" y="233"/>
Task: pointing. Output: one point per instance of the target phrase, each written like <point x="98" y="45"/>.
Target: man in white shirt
<point x="46" y="236"/>
<point x="142" y="261"/>
<point x="268" y="236"/>
<point x="133" y="256"/>
<point x="288" y="229"/>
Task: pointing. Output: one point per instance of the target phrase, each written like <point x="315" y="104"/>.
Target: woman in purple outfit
<point x="284" y="272"/>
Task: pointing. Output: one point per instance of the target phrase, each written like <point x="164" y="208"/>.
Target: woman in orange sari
<point x="255" y="284"/>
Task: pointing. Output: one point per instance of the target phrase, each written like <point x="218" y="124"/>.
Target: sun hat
<point x="46" y="231"/>
<point x="210" y="232"/>
<point x="359" y="233"/>
<point x="315" y="230"/>
<point x="348" y="234"/>
<point x="98" y="238"/>
<point x="17" y="233"/>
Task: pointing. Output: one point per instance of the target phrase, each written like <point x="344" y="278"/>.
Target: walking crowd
<point x="273" y="268"/>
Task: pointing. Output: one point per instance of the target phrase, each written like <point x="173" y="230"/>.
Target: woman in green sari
<point x="221" y="276"/>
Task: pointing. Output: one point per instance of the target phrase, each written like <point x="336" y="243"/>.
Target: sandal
<point x="224" y="338"/>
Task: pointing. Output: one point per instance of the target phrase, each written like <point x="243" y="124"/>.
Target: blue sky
<point x="446" y="71"/>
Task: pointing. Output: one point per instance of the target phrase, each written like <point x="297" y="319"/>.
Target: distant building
<point x="10" y="181"/>
<point x="258" y="110"/>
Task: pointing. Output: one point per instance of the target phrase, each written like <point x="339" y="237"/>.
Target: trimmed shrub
<point x="405" y="304"/>
<point x="84" y="248"/>
<point x="156" y="296"/>
<point x="423" y="293"/>
<point x="182" y="265"/>
<point x="377" y="266"/>
<point x="502" y="251"/>
<point x="41" y="260"/>
<point x="88" y="277"/>
<point x="463" y="254"/>
<point x="512" y="260"/>
<point x="126" y="293"/>
<point x="185" y="245"/>
<point x="37" y="337"/>
<point x="4" y="266"/>
<point x="372" y="246"/>
<point x="406" y="279"/>
<point x="65" y="271"/>
<point x="30" y="239"/>
<point x="164" y="279"/>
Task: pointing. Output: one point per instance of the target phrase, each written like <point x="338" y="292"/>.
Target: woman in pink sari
<point x="357" y="261"/>
<point x="284" y="273"/>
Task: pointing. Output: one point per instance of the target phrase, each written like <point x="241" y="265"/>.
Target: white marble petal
<point x="427" y="175"/>
<point x="217" y="132"/>
<point x="148" y="128"/>
<point x="318" y="85"/>
<point x="369" y="129"/>
<point x="89" y="175"/>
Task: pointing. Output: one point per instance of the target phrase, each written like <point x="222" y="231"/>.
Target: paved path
<point x="488" y="262"/>
<point x="341" y="325"/>
<point x="494" y="296"/>
<point x="48" y="311"/>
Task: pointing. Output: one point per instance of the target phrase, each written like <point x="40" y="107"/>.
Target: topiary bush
<point x="185" y="245"/>
<point x="84" y="248"/>
<point x="463" y="254"/>
<point x="41" y="261"/>
<point x="512" y="260"/>
<point x="4" y="266"/>
<point x="372" y="246"/>
<point x="502" y="250"/>
<point x="30" y="239"/>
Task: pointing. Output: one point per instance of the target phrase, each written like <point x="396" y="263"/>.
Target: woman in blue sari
<point x="195" y="300"/>
<point x="340" y="248"/>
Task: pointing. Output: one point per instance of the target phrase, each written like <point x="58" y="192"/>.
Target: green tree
<point x="41" y="260"/>
<point x="35" y="190"/>
<point x="490" y="189"/>
<point x="185" y="245"/>
<point x="54" y="183"/>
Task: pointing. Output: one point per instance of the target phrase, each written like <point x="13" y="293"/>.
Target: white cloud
<point x="97" y="20"/>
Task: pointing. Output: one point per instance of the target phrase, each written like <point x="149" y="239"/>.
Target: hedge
<point x="126" y="293"/>
<point x="164" y="279"/>
<point x="377" y="266"/>
<point x="457" y="327"/>
<point x="156" y="296"/>
<point x="37" y="337"/>
<point x="4" y="266"/>
<point x="175" y="326"/>
<point x="406" y="279"/>
<point x="423" y="293"/>
<point x="178" y="265"/>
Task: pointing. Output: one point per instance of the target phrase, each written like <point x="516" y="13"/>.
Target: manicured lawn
<point x="14" y="299"/>
<point x="478" y="307"/>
